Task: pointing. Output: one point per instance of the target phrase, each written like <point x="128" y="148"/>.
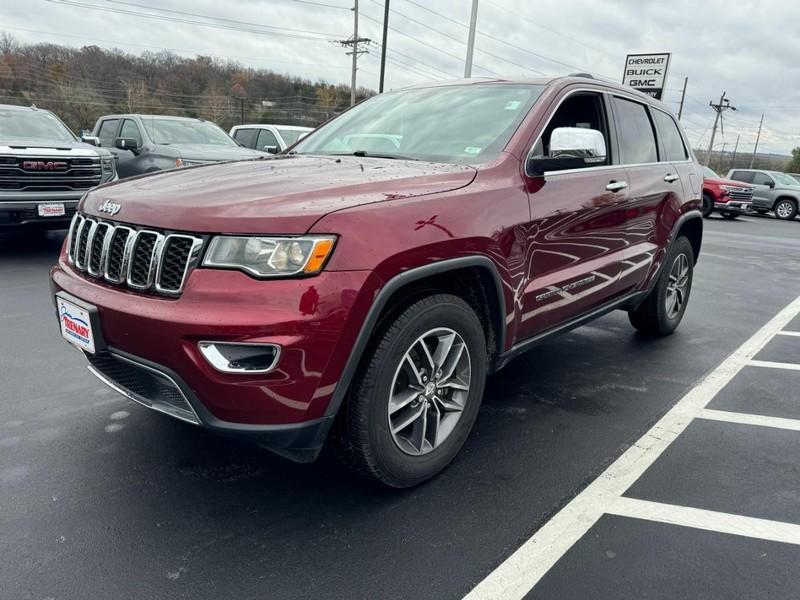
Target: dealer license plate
<point x="51" y="209"/>
<point x="76" y="326"/>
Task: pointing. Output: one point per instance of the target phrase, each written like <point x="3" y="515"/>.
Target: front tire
<point x="785" y="209"/>
<point x="661" y="312"/>
<point x="761" y="211"/>
<point x="417" y="395"/>
<point x="708" y="205"/>
<point x="729" y="215"/>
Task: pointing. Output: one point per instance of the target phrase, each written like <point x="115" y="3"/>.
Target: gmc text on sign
<point x="647" y="73"/>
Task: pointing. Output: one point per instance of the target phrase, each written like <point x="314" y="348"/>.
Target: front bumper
<point x="26" y="214"/>
<point x="734" y="206"/>
<point x="315" y="321"/>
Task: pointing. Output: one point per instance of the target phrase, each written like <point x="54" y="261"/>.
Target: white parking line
<point x="709" y="520"/>
<point x="748" y="419"/>
<point x="515" y="577"/>
<point x="768" y="364"/>
<point x="792" y="333"/>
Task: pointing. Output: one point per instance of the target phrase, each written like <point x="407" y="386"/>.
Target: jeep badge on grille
<point x="110" y="208"/>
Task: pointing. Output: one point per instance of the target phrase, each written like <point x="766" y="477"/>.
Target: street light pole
<point x="473" y="21"/>
<point x="383" y="43"/>
<point x="355" y="54"/>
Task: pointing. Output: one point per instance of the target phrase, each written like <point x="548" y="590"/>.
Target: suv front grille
<point x="49" y="174"/>
<point x="741" y="194"/>
<point x="142" y="259"/>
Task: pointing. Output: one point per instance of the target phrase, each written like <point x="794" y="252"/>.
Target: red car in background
<point x="730" y="198"/>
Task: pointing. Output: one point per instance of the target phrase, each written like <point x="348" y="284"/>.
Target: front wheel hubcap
<point x="429" y="391"/>
<point x="677" y="286"/>
<point x="784" y="209"/>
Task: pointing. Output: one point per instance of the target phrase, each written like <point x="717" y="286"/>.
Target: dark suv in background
<point x="149" y="143"/>
<point x="44" y="169"/>
<point x="367" y="293"/>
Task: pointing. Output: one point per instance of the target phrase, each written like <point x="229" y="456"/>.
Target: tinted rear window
<point x="746" y="176"/>
<point x="636" y="138"/>
<point x="670" y="137"/>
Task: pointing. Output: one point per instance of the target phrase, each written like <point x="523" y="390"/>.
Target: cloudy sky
<point x="747" y="48"/>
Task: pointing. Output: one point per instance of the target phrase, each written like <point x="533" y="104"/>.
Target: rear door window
<point x="107" y="132"/>
<point x="637" y="140"/>
<point x="246" y="137"/>
<point x="131" y="130"/>
<point x="746" y="176"/>
<point x="670" y="136"/>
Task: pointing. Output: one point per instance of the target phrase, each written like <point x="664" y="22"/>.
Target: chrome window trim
<point x="191" y="261"/>
<point x="611" y="92"/>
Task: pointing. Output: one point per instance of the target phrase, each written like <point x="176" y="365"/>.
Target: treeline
<point x="80" y="85"/>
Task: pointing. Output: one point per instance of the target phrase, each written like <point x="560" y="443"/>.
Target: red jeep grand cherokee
<point x="367" y="281"/>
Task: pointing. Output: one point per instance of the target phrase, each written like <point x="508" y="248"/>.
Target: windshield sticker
<point x="512" y="104"/>
<point x="472" y="150"/>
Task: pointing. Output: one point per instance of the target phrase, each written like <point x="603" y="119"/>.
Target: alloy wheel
<point x="676" y="287"/>
<point x="429" y="391"/>
<point x="784" y="209"/>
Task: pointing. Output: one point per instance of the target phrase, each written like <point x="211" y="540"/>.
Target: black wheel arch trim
<point x="381" y="300"/>
<point x="694" y="213"/>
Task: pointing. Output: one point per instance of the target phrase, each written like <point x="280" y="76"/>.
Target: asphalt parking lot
<point x="602" y="465"/>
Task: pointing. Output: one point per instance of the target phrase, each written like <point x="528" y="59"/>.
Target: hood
<point x="723" y="181"/>
<point x="286" y="194"/>
<point x="214" y="152"/>
<point x="56" y="148"/>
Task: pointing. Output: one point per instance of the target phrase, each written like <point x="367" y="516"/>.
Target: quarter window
<point x="637" y="140"/>
<point x="246" y="137"/>
<point x="108" y="130"/>
<point x="670" y="136"/>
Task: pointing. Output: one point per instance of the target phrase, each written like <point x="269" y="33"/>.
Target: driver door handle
<point x="669" y="178"/>
<point x="617" y="186"/>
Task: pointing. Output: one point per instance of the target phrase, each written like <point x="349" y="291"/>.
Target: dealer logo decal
<point x="77" y="328"/>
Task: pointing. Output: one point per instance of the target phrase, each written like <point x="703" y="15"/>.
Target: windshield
<point x="33" y="125"/>
<point x="174" y="131"/>
<point x="454" y="124"/>
<point x="708" y="172"/>
<point x="290" y="136"/>
<point x="783" y="179"/>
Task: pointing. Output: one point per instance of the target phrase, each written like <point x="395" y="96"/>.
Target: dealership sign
<point x="647" y="73"/>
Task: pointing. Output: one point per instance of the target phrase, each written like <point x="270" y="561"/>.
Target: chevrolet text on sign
<point x="647" y="73"/>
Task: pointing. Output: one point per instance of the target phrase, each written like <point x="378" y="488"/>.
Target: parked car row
<point x="45" y="168"/>
<point x="746" y="190"/>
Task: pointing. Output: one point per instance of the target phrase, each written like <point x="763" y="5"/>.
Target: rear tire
<point x="397" y="384"/>
<point x="786" y="209"/>
<point x="708" y="205"/>
<point x="661" y="312"/>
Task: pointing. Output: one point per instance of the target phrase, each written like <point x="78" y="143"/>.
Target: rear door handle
<point x="669" y="178"/>
<point x="617" y="186"/>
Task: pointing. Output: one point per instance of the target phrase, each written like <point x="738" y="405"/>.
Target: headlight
<point x="107" y="164"/>
<point x="270" y="256"/>
<point x="181" y="162"/>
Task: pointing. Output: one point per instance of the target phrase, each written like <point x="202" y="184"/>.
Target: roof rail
<point x="585" y="75"/>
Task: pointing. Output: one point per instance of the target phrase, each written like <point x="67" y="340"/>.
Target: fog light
<point x="234" y="357"/>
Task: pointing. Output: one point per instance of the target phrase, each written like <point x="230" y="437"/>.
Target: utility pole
<point x="683" y="97"/>
<point x="758" y="138"/>
<point x="241" y="110"/>
<point x="473" y="21"/>
<point x="383" y="43"/>
<point x="353" y="43"/>
<point x="724" y="104"/>
<point x="735" y="148"/>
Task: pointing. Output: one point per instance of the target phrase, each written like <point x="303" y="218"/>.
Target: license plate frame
<point x="79" y="323"/>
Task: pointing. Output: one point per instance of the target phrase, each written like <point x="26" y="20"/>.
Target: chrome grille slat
<point x="80" y="173"/>
<point x="141" y="259"/>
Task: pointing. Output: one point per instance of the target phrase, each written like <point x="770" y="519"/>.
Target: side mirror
<point x="90" y="139"/>
<point x="771" y="184"/>
<point x="131" y="144"/>
<point x="570" y="148"/>
<point x="271" y="149"/>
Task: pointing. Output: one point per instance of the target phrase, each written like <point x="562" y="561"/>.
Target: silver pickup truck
<point x="44" y="169"/>
<point x="774" y="191"/>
